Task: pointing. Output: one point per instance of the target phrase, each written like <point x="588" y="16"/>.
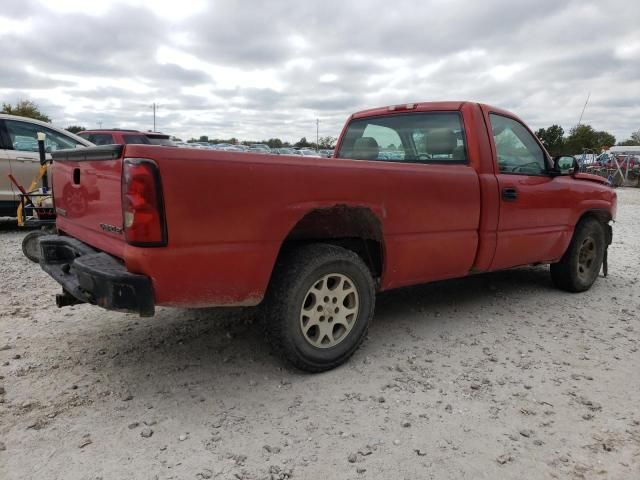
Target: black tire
<point x="31" y="245"/>
<point x="296" y="275"/>
<point x="575" y="272"/>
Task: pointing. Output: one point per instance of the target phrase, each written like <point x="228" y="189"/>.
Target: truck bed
<point x="227" y="214"/>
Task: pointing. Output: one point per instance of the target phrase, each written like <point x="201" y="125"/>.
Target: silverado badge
<point x="111" y="228"/>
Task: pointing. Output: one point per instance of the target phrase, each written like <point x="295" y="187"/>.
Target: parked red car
<point x="117" y="136"/>
<point x="415" y="193"/>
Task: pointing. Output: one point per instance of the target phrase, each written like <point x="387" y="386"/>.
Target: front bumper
<point x="89" y="276"/>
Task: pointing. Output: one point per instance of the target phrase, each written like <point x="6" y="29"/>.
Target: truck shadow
<point x="8" y="224"/>
<point x="463" y="293"/>
<point x="211" y="356"/>
<point x="230" y="342"/>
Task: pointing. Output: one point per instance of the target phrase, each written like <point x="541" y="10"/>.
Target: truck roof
<point x="101" y="130"/>
<point x="410" y="107"/>
<point x="429" y="107"/>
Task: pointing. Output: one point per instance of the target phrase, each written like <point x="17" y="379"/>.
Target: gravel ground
<point x="496" y="376"/>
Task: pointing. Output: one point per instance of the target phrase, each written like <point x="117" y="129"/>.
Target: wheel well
<point x="354" y="228"/>
<point x="602" y="216"/>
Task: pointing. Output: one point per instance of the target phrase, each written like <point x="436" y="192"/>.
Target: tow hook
<point x="65" y="299"/>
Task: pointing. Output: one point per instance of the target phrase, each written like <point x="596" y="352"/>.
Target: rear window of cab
<point x="423" y="137"/>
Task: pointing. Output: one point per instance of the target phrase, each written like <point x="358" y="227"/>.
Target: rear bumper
<point x="89" y="276"/>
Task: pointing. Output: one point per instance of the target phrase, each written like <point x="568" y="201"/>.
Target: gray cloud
<point x="271" y="68"/>
<point x="20" y="78"/>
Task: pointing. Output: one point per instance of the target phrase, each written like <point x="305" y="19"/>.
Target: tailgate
<point x="87" y="192"/>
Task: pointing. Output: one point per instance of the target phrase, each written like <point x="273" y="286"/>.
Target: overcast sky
<point x="260" y="69"/>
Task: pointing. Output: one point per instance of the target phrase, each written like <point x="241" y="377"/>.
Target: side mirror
<point x="565" y="165"/>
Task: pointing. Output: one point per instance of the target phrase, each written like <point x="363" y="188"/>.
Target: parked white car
<point x="307" y="152"/>
<point x="19" y="154"/>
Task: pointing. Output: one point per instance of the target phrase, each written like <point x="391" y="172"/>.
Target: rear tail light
<point x="142" y="204"/>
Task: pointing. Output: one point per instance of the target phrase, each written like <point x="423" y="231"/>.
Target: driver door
<point x="533" y="225"/>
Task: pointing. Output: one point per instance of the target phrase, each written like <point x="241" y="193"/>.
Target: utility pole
<point x="155" y="107"/>
<point x="317" y="134"/>
<point x="100" y="124"/>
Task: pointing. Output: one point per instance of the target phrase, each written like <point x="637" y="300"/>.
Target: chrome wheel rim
<point x="329" y="310"/>
<point x="586" y="257"/>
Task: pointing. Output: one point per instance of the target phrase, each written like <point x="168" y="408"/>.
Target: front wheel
<point x="580" y="265"/>
<point x="319" y="306"/>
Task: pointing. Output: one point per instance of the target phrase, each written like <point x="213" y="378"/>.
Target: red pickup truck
<point x="414" y="193"/>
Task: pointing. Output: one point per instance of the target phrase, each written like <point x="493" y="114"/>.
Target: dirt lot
<point x="496" y="376"/>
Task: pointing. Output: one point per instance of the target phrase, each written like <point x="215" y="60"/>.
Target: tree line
<point x="27" y="108"/>
<point x="327" y="142"/>
<point x="580" y="138"/>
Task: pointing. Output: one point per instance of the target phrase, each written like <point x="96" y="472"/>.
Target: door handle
<point x="25" y="159"/>
<point x="509" y="194"/>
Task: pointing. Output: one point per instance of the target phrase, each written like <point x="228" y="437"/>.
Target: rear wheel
<point x="319" y="306"/>
<point x="580" y="265"/>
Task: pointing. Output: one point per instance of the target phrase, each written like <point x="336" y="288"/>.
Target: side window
<point x="429" y="137"/>
<point x="24" y="137"/>
<point x="100" y="138"/>
<point x="516" y="149"/>
<point x="136" y="139"/>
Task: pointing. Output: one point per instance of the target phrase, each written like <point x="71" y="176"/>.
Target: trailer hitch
<point x="65" y="299"/>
